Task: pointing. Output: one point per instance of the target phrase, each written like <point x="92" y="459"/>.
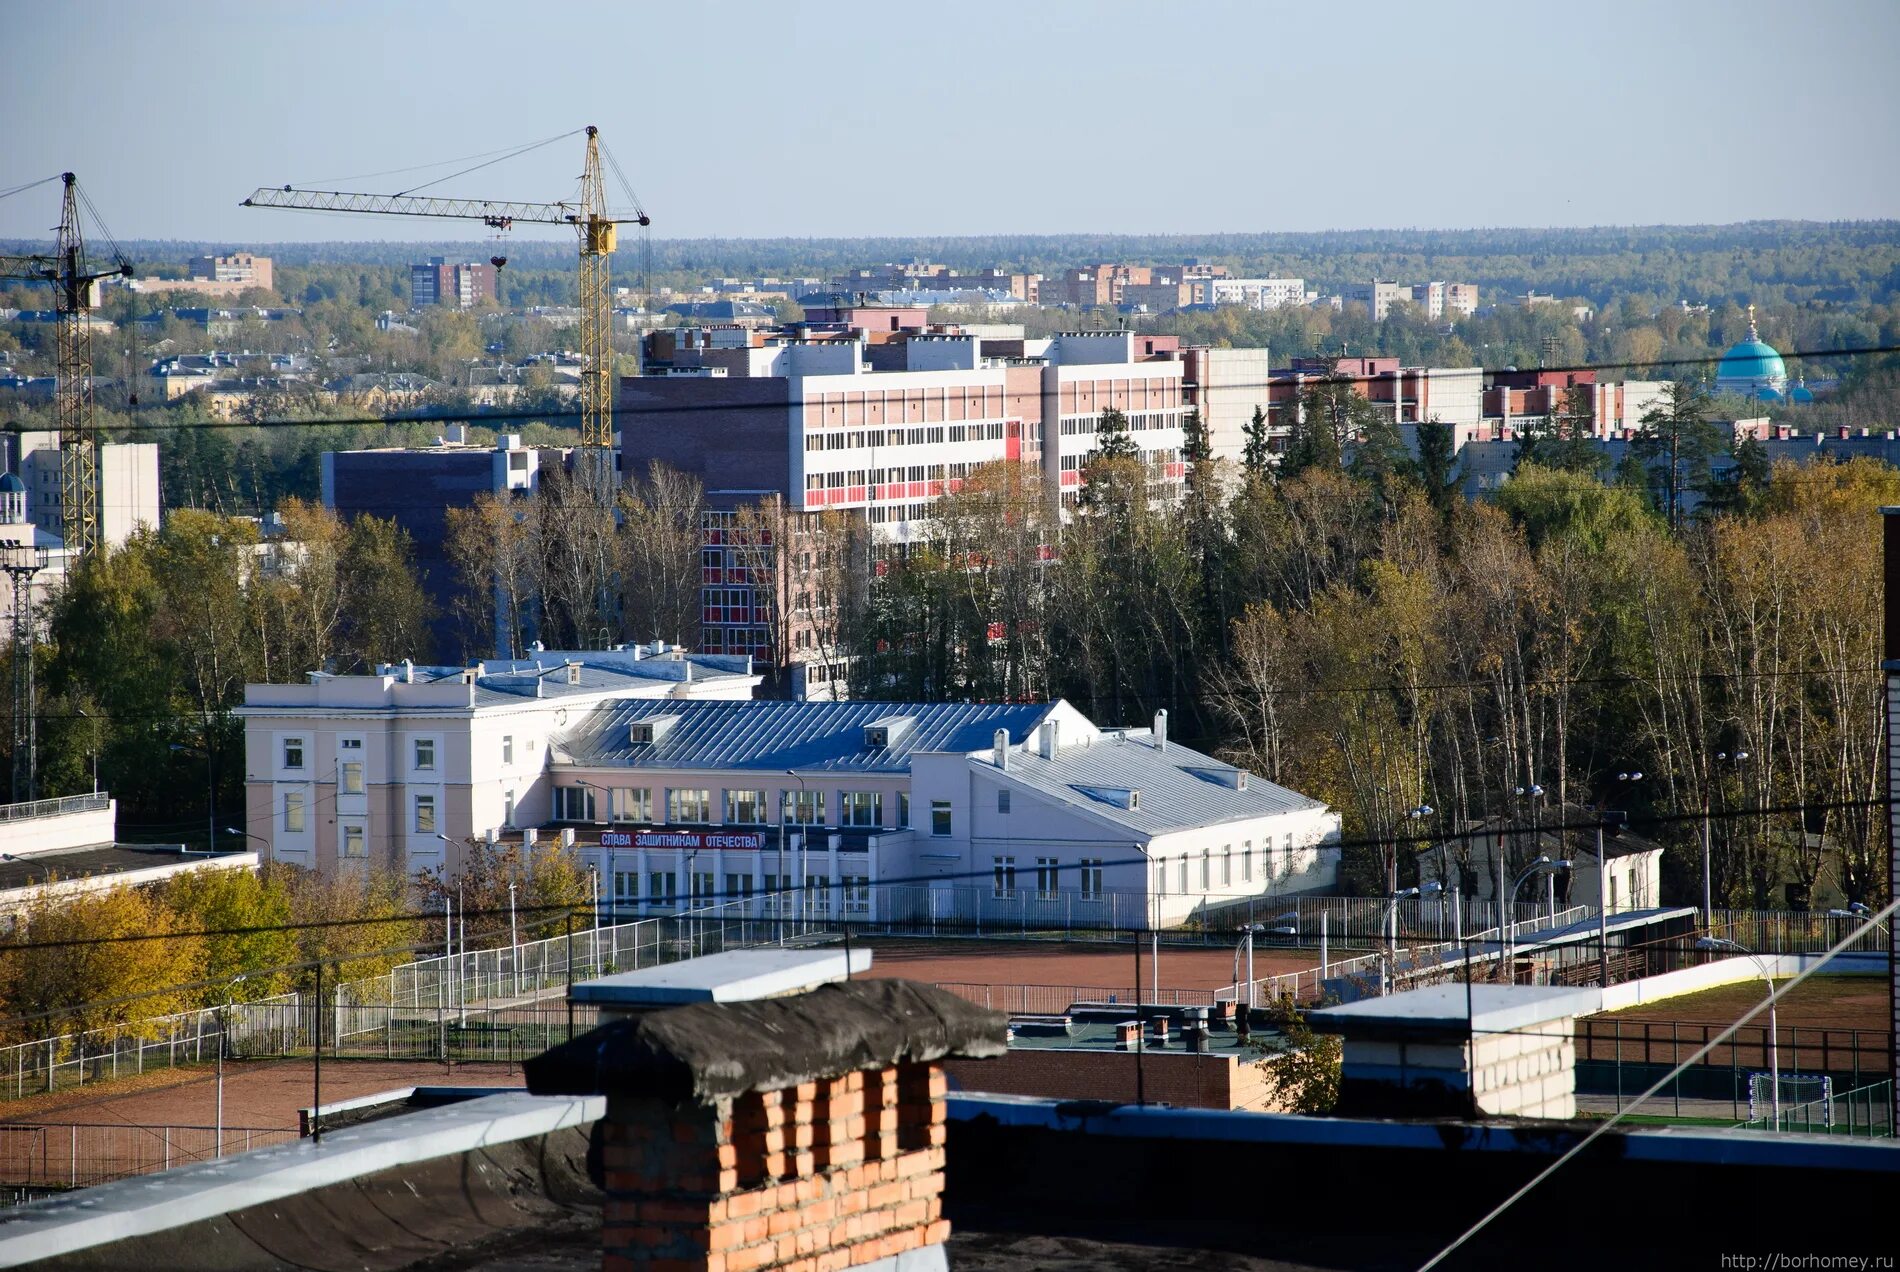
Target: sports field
<point x="1823" y="1002"/>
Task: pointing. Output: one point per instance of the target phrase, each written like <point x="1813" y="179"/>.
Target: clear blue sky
<point x="737" y="118"/>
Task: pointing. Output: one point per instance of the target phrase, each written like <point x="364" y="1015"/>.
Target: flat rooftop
<point x="1453" y="1010"/>
<point x="30" y="870"/>
<point x="732" y="977"/>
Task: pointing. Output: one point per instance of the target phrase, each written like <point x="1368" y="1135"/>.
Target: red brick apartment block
<point x="802" y="1133"/>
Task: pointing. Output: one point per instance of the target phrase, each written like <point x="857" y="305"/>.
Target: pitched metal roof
<point x="822" y="736"/>
<point x="1179" y="787"/>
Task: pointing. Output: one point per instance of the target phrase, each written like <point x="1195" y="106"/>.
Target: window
<point x="1161" y="878"/>
<point x="1612" y="894"/>
<point x="425" y="755"/>
<point x="940" y="818"/>
<point x="745" y="808"/>
<point x="574" y="803"/>
<point x="508" y="808"/>
<point x="352" y="771"/>
<point x="1091" y="878"/>
<point x="425" y="814"/>
<point x="903" y="809"/>
<point x="1002" y="801"/>
<point x="626" y="888"/>
<point x="701" y="882"/>
<point x="688" y="806"/>
<point x="293" y="753"/>
<point x="354" y="845"/>
<point x="804" y="808"/>
<point x="1226" y="865"/>
<point x="632" y="803"/>
<point x="778" y="894"/>
<point x="662" y="888"/>
<point x="857" y="894"/>
<point x="860" y="808"/>
<point x="817" y="894"/>
<point x="738" y="887"/>
<point x="293" y="811"/>
<point x="507" y="748"/>
<point x="1005" y="876"/>
<point x="1045" y="877"/>
<point x="1246" y="862"/>
<point x="1184" y="872"/>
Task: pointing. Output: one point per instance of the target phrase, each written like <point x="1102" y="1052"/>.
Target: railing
<point x="80" y="1155"/>
<point x="55" y="807"/>
<point x="271" y="1026"/>
<point x="1793" y="931"/>
<point x="1053" y="1000"/>
<point x="1860" y="1055"/>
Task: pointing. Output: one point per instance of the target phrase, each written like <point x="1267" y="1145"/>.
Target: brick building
<point x="461" y="286"/>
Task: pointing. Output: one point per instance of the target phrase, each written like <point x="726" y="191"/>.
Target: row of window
<point x="422" y="808"/>
<point x="1049" y="872"/>
<point x="1218" y="866"/>
<point x="1138" y="422"/>
<point x="778" y="892"/>
<point x="422" y="757"/>
<point x="693" y="806"/>
<point x="932" y="435"/>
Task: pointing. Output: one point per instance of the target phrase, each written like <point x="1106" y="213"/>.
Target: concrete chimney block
<point x="1000" y="743"/>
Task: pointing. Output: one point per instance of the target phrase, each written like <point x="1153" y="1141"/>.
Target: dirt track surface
<point x="257" y="1093"/>
<point x="1057" y="963"/>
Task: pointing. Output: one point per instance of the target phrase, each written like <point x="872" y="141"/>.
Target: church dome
<point x="10" y="484"/>
<point x="1751" y="367"/>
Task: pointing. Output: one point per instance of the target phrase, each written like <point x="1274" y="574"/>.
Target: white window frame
<point x="422" y="803"/>
<point x="416" y="746"/>
<point x="1091" y="878"/>
<point x="295" y="818"/>
<point x="284" y="751"/>
<point x="349" y="778"/>
<point x="347" y="832"/>
<point x="941" y="815"/>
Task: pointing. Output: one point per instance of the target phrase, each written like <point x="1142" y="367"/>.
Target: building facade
<point x="403" y="769"/>
<point x="463" y="285"/>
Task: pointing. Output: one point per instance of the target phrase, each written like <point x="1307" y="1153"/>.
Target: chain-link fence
<point x="271" y="1026"/>
<point x="80" y="1155"/>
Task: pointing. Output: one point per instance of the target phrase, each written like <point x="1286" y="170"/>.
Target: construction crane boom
<point x="598" y="238"/>
<point x="74" y="284"/>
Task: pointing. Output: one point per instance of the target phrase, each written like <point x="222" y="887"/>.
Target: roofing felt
<point x="78" y="863"/>
<point x="1179" y="787"/>
<point x="822" y="736"/>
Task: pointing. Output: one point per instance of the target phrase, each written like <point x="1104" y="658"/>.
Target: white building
<point x="1633" y="882"/>
<point x="1253" y="293"/>
<point x="958" y="812"/>
<point x="401" y="769"/>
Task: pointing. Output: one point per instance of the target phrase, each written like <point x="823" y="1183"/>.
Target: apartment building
<point x="459" y="285"/>
<point x="877" y="424"/>
<point x="961" y="811"/>
<point x="401" y="770"/>
<point x="416" y="487"/>
<point x="1516" y="400"/>
<point x="1411" y="395"/>
<point x="225" y="276"/>
<point x="1251" y="293"/>
<point x="1436" y="299"/>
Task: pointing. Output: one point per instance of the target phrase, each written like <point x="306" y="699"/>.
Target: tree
<point x="1437" y="465"/>
<point x="1676" y="443"/>
<point x="1257" y="455"/>
<point x="73" y="988"/>
<point x="489" y="546"/>
<point x="659" y="546"/>
<point x="1564" y="438"/>
<point x="386" y="612"/>
<point x="1301" y="1071"/>
<point x="1111" y="438"/>
<point x="252" y="964"/>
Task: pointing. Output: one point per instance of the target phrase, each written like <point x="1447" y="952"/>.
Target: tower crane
<point x="598" y="231"/>
<point x="75" y="284"/>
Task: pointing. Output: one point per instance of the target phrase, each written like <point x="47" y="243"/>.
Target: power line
<point x="1394" y="840"/>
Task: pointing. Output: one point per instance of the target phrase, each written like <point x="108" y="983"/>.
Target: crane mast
<point x="74" y="285"/>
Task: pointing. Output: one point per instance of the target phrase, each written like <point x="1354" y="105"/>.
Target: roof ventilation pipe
<point x="1161" y="729"/>
<point x="1001" y="741"/>
<point x="1050" y="737"/>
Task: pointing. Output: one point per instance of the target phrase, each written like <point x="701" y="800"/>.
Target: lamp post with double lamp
<point x="1525" y="796"/>
<point x="1389" y="974"/>
<point x="804" y="847"/>
<point x="1774" y="1032"/>
<point x="1544" y="865"/>
<point x="1416" y="816"/>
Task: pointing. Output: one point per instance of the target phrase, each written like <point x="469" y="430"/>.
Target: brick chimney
<point x="803" y="1133"/>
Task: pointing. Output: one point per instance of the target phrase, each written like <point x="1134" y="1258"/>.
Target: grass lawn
<point x="1833" y="1002"/>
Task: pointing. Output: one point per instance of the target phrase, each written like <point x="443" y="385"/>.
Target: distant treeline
<point x="1765" y="262"/>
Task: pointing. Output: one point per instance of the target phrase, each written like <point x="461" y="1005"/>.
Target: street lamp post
<point x="1544" y="866"/>
<point x="1708" y="835"/>
<point x="1774" y="1032"/>
<point x="224" y="1032"/>
<point x="804" y="845"/>
<point x="1389" y="976"/>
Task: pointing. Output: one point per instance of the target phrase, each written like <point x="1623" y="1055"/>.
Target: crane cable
<point x="505" y="155"/>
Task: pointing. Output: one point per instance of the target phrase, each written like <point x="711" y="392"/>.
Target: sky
<point x="733" y="118"/>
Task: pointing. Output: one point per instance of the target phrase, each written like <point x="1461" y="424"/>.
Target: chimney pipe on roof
<point x="408" y="671"/>
<point x="1051" y="738"/>
<point x="1001" y="742"/>
<point x="1161" y="729"/>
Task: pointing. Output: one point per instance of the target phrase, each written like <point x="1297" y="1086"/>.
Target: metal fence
<point x="80" y="1155"/>
<point x="54" y="807"/>
<point x="1793" y="931"/>
<point x="271" y="1026"/>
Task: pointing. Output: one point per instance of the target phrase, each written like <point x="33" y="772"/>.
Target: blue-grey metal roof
<point x="1179" y="787"/>
<point x="823" y="736"/>
<point x="506" y="680"/>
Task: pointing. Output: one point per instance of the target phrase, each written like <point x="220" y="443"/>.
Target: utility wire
<point x="1480" y="831"/>
<point x="1775" y="994"/>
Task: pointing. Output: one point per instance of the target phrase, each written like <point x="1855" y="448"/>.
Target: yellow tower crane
<point x="75" y="287"/>
<point x="598" y="231"/>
